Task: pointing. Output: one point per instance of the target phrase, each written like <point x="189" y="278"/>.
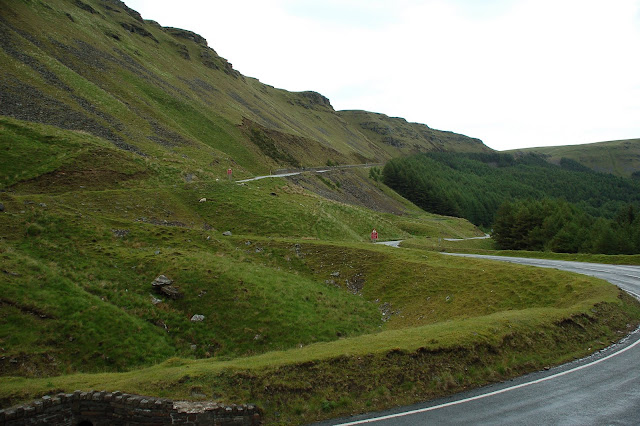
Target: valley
<point x="116" y="136"/>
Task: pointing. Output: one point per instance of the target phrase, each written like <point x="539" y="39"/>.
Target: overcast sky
<point x="514" y="73"/>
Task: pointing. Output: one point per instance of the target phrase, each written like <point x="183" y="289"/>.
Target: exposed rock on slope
<point x="397" y="134"/>
<point x="99" y="67"/>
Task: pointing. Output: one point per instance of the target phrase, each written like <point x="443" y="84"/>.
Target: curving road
<point x="603" y="389"/>
<point x="395" y="243"/>
<point x="625" y="277"/>
<point x="311" y="170"/>
<point x="484" y="237"/>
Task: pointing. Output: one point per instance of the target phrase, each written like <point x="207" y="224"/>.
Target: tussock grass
<point x="368" y="372"/>
<point x="303" y="315"/>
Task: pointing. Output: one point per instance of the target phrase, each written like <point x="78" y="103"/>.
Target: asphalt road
<point x="484" y="237"/>
<point x="603" y="389"/>
<point x="272" y="176"/>
<point x="310" y="170"/>
<point x="625" y="277"/>
<point x="395" y="243"/>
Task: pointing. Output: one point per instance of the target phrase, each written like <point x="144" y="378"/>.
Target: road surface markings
<point x="486" y="395"/>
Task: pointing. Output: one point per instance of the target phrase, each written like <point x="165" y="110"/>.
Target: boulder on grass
<point x="162" y="285"/>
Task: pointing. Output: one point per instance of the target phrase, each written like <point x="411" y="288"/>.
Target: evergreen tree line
<point x="542" y="203"/>
<point x="555" y="225"/>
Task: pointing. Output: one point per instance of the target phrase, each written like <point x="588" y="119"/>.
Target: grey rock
<point x="170" y="291"/>
<point x="162" y="285"/>
<point x="227" y="233"/>
<point x="120" y="233"/>
<point x="161" y="280"/>
<point x="197" y="318"/>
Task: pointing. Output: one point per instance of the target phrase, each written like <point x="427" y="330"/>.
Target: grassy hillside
<point x="98" y="66"/>
<point x="620" y="158"/>
<point x="116" y="136"/>
<point x="302" y="315"/>
<point x="86" y="221"/>
<point x="439" y="326"/>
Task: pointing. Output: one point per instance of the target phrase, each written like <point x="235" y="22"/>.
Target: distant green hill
<point x="474" y="185"/>
<point x="620" y="158"/>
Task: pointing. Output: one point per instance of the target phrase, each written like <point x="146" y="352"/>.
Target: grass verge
<point x="370" y="372"/>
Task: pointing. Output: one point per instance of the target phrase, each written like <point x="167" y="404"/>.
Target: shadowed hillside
<point x="98" y="66"/>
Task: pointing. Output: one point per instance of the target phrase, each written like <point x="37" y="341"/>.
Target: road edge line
<point x="486" y="395"/>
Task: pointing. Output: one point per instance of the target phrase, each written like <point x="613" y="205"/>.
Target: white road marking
<point x="485" y="237"/>
<point x="486" y="395"/>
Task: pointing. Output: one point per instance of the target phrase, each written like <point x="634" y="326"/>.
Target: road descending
<point x="603" y="389"/>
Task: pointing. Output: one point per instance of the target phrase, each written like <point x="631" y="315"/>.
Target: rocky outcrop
<point x="163" y="285"/>
<point x="188" y="35"/>
<point x="117" y="6"/>
<point x="182" y="51"/>
<point x="85" y="7"/>
<point x="410" y="138"/>
<point x="137" y="29"/>
<point x="312" y="100"/>
<point x="316" y="98"/>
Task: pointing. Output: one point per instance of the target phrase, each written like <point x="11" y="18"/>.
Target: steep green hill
<point x="620" y="158"/>
<point x="97" y="66"/>
<point x="116" y="135"/>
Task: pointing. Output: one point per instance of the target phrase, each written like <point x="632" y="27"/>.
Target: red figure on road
<point x="374" y="236"/>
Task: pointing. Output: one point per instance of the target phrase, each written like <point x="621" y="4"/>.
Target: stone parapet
<point x="100" y="408"/>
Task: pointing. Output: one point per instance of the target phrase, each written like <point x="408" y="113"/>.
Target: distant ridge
<point x="621" y="158"/>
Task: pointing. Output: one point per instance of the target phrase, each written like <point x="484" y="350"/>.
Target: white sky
<point x="514" y="73"/>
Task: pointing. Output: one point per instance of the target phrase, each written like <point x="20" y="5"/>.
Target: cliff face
<point x="99" y="67"/>
<point x="398" y="135"/>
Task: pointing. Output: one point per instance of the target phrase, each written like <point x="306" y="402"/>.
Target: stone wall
<point x="121" y="409"/>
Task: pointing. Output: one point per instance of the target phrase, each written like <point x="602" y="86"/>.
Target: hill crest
<point x="98" y="66"/>
<point x="620" y="157"/>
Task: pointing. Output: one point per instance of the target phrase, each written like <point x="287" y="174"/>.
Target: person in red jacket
<point x="374" y="236"/>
